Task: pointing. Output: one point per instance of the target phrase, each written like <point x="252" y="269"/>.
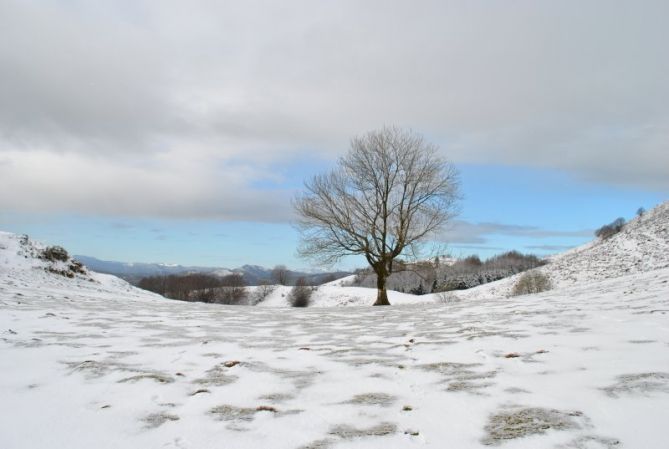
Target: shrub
<point x="611" y="229"/>
<point x="531" y="282"/>
<point x="300" y="294"/>
<point x="77" y="267"/>
<point x="263" y="290"/>
<point x="447" y="298"/>
<point x="640" y="211"/>
<point x="420" y="290"/>
<point x="232" y="290"/>
<point x="55" y="253"/>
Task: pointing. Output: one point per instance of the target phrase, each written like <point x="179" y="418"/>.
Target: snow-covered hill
<point x="23" y="265"/>
<point x="642" y="246"/>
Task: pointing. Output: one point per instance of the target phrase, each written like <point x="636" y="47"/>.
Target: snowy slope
<point x="21" y="266"/>
<point x="642" y="246"/>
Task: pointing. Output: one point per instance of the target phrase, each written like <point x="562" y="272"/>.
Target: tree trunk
<point x="382" y="294"/>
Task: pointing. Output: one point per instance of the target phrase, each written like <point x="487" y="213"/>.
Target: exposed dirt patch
<point x="522" y="422"/>
<point x="94" y="369"/>
<point x="318" y="444"/>
<point x="276" y="397"/>
<point x="348" y="432"/>
<point x="639" y="383"/>
<point x="592" y="442"/>
<point x="158" y="419"/>
<point x="468" y="387"/>
<point x="160" y="378"/>
<point x="217" y="376"/>
<point x="233" y="413"/>
<point x="378" y="399"/>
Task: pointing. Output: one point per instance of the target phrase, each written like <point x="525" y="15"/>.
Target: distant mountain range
<point x="253" y="274"/>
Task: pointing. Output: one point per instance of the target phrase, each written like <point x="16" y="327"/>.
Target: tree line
<point x="230" y="289"/>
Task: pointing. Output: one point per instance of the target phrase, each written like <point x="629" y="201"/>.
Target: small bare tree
<point x="280" y="274"/>
<point x="388" y="194"/>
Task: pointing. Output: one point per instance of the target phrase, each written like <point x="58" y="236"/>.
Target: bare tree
<point x="388" y="194"/>
<point x="280" y="274"/>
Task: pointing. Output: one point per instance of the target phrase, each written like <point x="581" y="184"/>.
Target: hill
<point x="32" y="267"/>
<point x="641" y="246"/>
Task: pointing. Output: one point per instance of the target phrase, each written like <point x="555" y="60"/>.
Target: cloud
<point x="552" y="248"/>
<point x="459" y="232"/>
<point x="170" y="186"/>
<point x="174" y="109"/>
<point x="121" y="225"/>
<point x="480" y="247"/>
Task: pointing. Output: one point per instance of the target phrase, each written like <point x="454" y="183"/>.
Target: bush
<point x="611" y="229"/>
<point x="263" y="290"/>
<point x="300" y="294"/>
<point x="531" y="282"/>
<point x="232" y="290"/>
<point x="55" y="253"/>
<point x="420" y="290"/>
<point x="446" y="298"/>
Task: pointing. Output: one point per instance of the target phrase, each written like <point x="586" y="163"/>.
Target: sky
<point x="178" y="132"/>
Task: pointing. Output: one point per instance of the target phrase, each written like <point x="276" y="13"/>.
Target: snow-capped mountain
<point x="253" y="274"/>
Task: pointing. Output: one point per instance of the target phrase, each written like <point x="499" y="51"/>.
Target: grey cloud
<point x="480" y="247"/>
<point x="569" y="85"/>
<point x="44" y="182"/>
<point x="73" y="81"/>
<point x="476" y="233"/>
<point x="551" y="248"/>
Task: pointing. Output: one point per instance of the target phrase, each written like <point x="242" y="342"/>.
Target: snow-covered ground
<point x="335" y="296"/>
<point x="93" y="362"/>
